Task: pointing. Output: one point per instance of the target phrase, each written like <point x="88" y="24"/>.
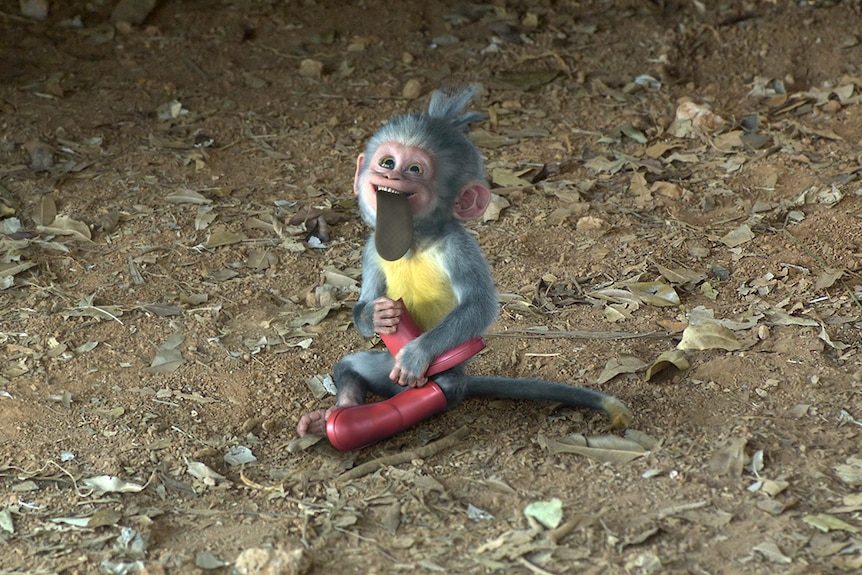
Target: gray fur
<point x="441" y="131"/>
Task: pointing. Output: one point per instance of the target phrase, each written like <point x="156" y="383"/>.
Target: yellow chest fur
<point x="419" y="279"/>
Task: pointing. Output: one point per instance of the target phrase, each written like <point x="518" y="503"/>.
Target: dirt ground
<point x="179" y="251"/>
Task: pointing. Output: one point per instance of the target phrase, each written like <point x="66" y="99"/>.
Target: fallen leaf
<point x="607" y="449"/>
<point x="45" y="212"/>
<point x="827" y="278"/>
<point x="672" y="357"/>
<point x="772" y="553"/>
<point x="104" y="518"/>
<point x="708" y="335"/>
<point x="497" y="205"/>
<point x="224" y="237"/>
<point x="681" y="276"/>
<point x="737" y="236"/>
<point x="204" y="216"/>
<point x="625" y="364"/>
<point x="185" y="196"/>
<point x="166" y="361"/>
<point x="729" y="460"/>
<point x="204" y="473"/>
<point x="110" y="484"/>
<point x="6" y="521"/>
<point x="827" y="523"/>
<point x="548" y="513"/>
<point x="64" y="226"/>
<point x="850" y="472"/>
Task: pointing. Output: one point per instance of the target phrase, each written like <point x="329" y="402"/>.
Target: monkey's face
<point x="395" y="168"/>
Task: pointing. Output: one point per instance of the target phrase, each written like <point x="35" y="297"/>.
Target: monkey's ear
<point x="472" y="202"/>
<point x="360" y="161"/>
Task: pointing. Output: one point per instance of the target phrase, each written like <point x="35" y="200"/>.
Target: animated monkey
<point x="418" y="176"/>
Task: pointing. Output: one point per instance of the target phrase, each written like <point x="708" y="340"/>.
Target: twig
<point x="405" y="456"/>
<point x="578" y="334"/>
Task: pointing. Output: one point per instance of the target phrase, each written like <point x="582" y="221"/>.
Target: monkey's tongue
<point x="393" y="232"/>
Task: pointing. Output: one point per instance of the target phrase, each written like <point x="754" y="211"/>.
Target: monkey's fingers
<point x="314" y="422"/>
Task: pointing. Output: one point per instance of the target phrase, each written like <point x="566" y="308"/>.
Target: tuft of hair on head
<point x="449" y="105"/>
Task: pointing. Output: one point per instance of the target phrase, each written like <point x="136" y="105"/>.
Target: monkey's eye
<point x="387" y="162"/>
<point x="415" y="169"/>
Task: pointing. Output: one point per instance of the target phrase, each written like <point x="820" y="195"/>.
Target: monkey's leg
<point x="354" y="375"/>
<point x="355" y="426"/>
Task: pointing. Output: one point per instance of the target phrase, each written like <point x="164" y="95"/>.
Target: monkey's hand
<point x="387" y="314"/>
<point x="410" y="366"/>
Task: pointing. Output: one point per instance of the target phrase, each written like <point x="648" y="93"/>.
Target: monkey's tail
<point x="541" y="390"/>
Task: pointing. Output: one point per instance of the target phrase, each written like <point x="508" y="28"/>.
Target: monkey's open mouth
<point x="393" y="191"/>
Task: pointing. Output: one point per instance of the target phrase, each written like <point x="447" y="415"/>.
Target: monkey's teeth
<point x="389" y="190"/>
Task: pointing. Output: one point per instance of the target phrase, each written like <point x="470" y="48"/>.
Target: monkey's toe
<point x="619" y="414"/>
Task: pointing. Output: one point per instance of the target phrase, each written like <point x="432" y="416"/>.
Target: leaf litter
<point x="724" y="152"/>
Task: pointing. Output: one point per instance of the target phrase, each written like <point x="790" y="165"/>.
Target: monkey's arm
<point x="373" y="287"/>
<point x="476" y="305"/>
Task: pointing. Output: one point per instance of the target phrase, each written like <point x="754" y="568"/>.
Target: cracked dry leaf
<point x="169" y="358"/>
<point x="658" y="294"/>
<point x="495" y="207"/>
<point x="104" y="518"/>
<point x="187" y="197"/>
<point x="45" y="212"/>
<point x="204" y="216"/>
<point x="672" y="357"/>
<point x="65" y="226"/>
<point x="6" y="523"/>
<point x="604" y="448"/>
<point x="827" y="523"/>
<point x="681" y="276"/>
<point x="506" y="178"/>
<point x="223" y="237"/>
<point x="201" y="471"/>
<point x="703" y="336"/>
<point x="850" y="472"/>
<point x="625" y="364"/>
<point x="827" y="278"/>
<point x="737" y="236"/>
<point x="772" y="553"/>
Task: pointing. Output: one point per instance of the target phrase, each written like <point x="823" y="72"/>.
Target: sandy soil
<point x="166" y="297"/>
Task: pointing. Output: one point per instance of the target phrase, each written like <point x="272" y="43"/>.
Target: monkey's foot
<point x="314" y="422"/>
<point x="619" y="414"/>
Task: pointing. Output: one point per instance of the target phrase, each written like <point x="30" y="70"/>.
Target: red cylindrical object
<point x="408" y="331"/>
<point x="356" y="426"/>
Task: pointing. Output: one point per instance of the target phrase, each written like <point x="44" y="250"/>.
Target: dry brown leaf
<point x="625" y="364"/>
<point x="45" y="212"/>
<point x="187" y="197"/>
<point x="223" y="237"/>
<point x="708" y="335"/>
<point x="673" y="357"/>
<point x="737" y="236"/>
<point x="681" y="276"/>
<point x="827" y="278"/>
<point x="65" y="226"/>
